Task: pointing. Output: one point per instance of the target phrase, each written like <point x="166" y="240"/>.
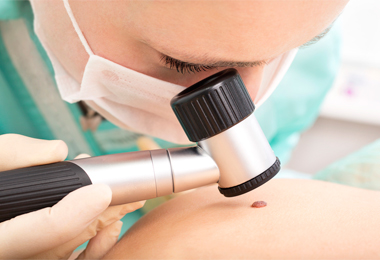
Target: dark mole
<point x="258" y="204"/>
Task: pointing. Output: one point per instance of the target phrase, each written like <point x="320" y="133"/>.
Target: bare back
<point x="303" y="219"/>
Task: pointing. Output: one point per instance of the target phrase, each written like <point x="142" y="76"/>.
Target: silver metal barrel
<point x="241" y="153"/>
<point x="143" y="175"/>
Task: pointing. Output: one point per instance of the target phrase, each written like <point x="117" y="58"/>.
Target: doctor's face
<point x="185" y="41"/>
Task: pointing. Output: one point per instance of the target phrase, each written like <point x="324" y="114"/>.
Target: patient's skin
<point x="306" y="219"/>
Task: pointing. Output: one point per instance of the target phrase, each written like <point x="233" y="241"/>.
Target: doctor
<point x="126" y="60"/>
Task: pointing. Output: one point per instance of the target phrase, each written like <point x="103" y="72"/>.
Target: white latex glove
<point x="53" y="233"/>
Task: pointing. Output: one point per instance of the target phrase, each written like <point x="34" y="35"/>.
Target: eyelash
<point x="316" y="38"/>
<point x="184" y="67"/>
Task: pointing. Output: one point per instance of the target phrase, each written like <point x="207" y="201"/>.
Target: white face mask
<point x="135" y="101"/>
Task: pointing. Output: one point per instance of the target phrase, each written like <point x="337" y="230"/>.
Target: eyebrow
<point x="243" y="64"/>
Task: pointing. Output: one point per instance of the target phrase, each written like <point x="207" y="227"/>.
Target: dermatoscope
<point x="216" y="113"/>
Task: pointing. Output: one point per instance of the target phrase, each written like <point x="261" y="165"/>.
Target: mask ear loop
<point x="76" y="27"/>
<point x="273" y="74"/>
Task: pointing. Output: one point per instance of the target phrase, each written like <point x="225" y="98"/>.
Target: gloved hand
<point x="54" y="233"/>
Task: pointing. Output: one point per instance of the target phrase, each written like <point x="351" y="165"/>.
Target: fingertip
<point x="114" y="229"/>
<point x="118" y="225"/>
<point x="82" y="155"/>
<point x="130" y="207"/>
<point x="21" y="151"/>
<point x="106" y="193"/>
<point x="59" y="150"/>
<point x="98" y="194"/>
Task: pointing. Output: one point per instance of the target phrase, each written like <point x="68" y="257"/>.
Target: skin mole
<point x="258" y="204"/>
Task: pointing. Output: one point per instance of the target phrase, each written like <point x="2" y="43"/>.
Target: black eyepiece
<point x="213" y="105"/>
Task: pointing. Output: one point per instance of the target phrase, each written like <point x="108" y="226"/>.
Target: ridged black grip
<point x="252" y="183"/>
<point x="33" y="188"/>
<point x="213" y="105"/>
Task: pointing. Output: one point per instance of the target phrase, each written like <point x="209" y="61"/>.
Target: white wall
<point x="361" y="32"/>
<point x="355" y="95"/>
<point x="350" y="116"/>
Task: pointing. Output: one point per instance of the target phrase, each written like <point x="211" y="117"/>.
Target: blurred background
<point x="350" y="114"/>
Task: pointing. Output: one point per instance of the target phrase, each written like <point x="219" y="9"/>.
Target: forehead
<point x="234" y="30"/>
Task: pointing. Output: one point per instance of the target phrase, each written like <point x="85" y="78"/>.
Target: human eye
<point x="183" y="67"/>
